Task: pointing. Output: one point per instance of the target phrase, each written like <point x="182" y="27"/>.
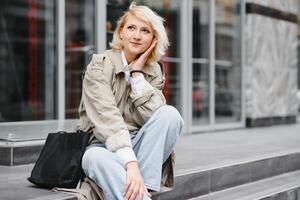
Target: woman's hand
<point x="138" y="63"/>
<point x="134" y="183"/>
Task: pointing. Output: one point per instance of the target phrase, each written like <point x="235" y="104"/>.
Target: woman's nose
<point x="137" y="34"/>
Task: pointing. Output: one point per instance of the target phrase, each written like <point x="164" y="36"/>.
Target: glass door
<point x="79" y="46"/>
<point x="28" y="60"/>
<point x="200" y="63"/>
<point x="216" y="64"/>
<point x="228" y="82"/>
<point x="298" y="92"/>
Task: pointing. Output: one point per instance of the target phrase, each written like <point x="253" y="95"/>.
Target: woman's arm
<point x="101" y="108"/>
<point x="147" y="96"/>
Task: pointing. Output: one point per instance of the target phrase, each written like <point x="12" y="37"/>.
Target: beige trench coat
<point x="110" y="107"/>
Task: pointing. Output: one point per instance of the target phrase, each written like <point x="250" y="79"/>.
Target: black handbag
<point x="59" y="163"/>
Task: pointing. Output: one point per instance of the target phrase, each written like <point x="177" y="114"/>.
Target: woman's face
<point x="136" y="36"/>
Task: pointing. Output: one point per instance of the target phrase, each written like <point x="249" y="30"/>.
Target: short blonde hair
<point x="154" y="20"/>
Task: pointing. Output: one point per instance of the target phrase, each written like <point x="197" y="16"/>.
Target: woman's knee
<point x="87" y="158"/>
<point x="94" y="159"/>
<point x="170" y="114"/>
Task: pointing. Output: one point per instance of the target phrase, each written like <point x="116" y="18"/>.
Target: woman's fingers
<point x="130" y="191"/>
<point x="146" y="191"/>
<point x="140" y="61"/>
<point x="134" y="192"/>
<point x="127" y="185"/>
<point x="149" y="50"/>
<point x="141" y="192"/>
<point x="134" y="186"/>
<point x="153" y="44"/>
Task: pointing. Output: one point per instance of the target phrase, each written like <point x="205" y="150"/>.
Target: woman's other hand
<point x="134" y="185"/>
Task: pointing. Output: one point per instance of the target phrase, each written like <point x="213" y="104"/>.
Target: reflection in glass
<point x="228" y="62"/>
<point x="200" y="28"/>
<point x="169" y="10"/>
<point x="80" y="45"/>
<point x="200" y="92"/>
<point x="298" y="92"/>
<point x="27" y="60"/>
<point x="172" y="83"/>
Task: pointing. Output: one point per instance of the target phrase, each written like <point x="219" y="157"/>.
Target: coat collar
<point x="115" y="57"/>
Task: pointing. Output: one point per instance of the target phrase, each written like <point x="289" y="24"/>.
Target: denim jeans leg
<point x="154" y="143"/>
<point x="107" y="170"/>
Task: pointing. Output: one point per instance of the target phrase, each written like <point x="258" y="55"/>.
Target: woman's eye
<point x="130" y="28"/>
<point x="146" y="31"/>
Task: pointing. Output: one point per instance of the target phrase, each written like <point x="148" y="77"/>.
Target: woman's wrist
<point x="131" y="164"/>
<point x="135" y="72"/>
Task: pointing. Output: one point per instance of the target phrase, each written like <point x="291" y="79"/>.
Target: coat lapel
<point x="120" y="83"/>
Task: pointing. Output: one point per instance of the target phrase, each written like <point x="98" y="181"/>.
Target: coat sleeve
<point x="101" y="108"/>
<point x="150" y="100"/>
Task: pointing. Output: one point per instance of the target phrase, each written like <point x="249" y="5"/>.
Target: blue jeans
<point x="152" y="145"/>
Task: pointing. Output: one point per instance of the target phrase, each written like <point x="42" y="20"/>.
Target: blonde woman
<point x="134" y="130"/>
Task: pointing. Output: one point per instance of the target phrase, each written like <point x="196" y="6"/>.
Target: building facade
<point x="231" y="63"/>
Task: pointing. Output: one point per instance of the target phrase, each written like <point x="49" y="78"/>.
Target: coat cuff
<point x="118" y="141"/>
<point x="141" y="99"/>
<point x="140" y="85"/>
<point x="126" y="154"/>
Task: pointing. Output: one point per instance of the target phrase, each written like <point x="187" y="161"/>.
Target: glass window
<point x="200" y="92"/>
<point x="169" y="10"/>
<point x="80" y="45"/>
<point x="298" y="92"/>
<point x="228" y="61"/>
<point x="201" y="29"/>
<point x="27" y="60"/>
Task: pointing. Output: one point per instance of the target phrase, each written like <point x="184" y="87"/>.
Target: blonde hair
<point x="154" y="20"/>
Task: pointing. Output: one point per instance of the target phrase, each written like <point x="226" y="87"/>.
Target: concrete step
<point x="187" y="185"/>
<point x="281" y="187"/>
<point x="220" y="160"/>
<point x="201" y="182"/>
<point x="14" y="186"/>
<point x="205" y="163"/>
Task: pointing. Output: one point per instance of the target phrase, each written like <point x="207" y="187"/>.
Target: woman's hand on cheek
<point x="141" y="60"/>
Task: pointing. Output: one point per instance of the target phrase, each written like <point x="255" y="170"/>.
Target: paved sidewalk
<point x="194" y="153"/>
<point x="208" y="150"/>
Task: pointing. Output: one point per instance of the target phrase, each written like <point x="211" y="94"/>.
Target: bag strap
<point x="95" y="187"/>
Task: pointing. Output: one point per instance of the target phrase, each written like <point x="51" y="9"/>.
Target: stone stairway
<point x="280" y="187"/>
<point x="252" y="164"/>
<point x="251" y="180"/>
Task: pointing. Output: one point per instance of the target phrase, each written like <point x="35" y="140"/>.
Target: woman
<point x="135" y="131"/>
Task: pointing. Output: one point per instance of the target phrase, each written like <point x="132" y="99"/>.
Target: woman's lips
<point x="135" y="43"/>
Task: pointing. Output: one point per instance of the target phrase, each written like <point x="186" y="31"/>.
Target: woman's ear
<point x="121" y="34"/>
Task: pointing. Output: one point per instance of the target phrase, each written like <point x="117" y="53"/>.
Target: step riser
<point x="188" y="186"/>
<point x="293" y="194"/>
<point x="11" y="156"/>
